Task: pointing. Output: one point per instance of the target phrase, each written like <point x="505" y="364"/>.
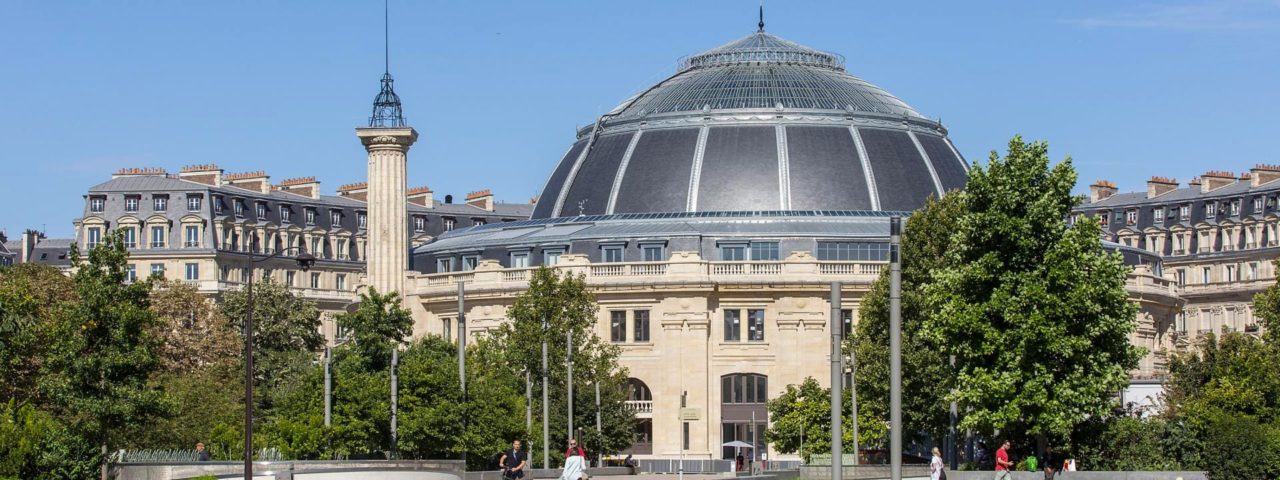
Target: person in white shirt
<point x="935" y="466"/>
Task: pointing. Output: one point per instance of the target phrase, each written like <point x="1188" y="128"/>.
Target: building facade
<point x="202" y="226"/>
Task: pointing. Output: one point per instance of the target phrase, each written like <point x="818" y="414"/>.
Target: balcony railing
<point x="746" y="268"/>
<point x="640" y="407"/>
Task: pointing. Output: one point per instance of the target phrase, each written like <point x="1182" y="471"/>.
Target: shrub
<point x="1245" y="448"/>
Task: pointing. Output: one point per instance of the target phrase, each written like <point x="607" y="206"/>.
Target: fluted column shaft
<point x="388" y="231"/>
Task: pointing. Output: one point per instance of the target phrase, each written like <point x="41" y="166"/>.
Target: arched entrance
<point x="640" y="402"/>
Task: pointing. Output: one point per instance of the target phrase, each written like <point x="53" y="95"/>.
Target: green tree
<point x="926" y="375"/>
<point x="286" y="337"/>
<point x="801" y="419"/>
<point x="194" y="334"/>
<point x="568" y="307"/>
<point x="31" y="297"/>
<point x="378" y="325"/>
<point x="103" y="351"/>
<point x="1036" y="315"/>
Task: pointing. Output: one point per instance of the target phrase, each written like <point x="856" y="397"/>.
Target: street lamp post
<point x="305" y="261"/>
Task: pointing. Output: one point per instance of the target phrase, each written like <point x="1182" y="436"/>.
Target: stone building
<point x="202" y="225"/>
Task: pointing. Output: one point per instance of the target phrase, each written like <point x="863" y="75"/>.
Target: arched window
<point x="744" y="388"/>
<point x="637" y="391"/>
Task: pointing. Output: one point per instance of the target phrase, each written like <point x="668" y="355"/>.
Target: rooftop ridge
<point x="297" y="181"/>
<point x="417" y="190"/>
<point x="1267" y="167"/>
<point x="478" y="194"/>
<point x="142" y="171"/>
<point x="352" y="186"/>
<point x="200" y="168"/>
<point x="761" y="47"/>
<point x="1219" y="174"/>
<point x="1168" y="180"/>
<point x="244" y="175"/>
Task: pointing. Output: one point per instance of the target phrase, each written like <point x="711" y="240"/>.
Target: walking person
<point x="513" y="462"/>
<point x="575" y="467"/>
<point x="936" y="471"/>
<point x="202" y="455"/>
<point x="574" y="449"/>
<point x="1002" y="462"/>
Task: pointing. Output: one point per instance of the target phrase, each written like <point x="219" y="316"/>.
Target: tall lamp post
<point x="305" y="261"/>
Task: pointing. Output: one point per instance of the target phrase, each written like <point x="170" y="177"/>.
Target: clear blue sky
<point x="1129" y="89"/>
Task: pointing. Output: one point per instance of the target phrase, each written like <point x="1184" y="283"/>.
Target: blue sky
<point x="1128" y="89"/>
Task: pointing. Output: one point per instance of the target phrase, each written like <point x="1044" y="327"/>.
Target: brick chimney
<point x="1101" y="190"/>
<point x="139" y="172"/>
<point x="252" y="181"/>
<point x="306" y="186"/>
<point x="355" y="191"/>
<point x="1158" y="186"/>
<point x="207" y="174"/>
<point x="1215" y="179"/>
<point x="421" y="196"/>
<point x="481" y="198"/>
<point x="1262" y="174"/>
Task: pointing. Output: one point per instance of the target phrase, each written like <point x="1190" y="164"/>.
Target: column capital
<point x="375" y="138"/>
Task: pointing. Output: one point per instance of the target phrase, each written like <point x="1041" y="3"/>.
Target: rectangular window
<point x="733" y="253"/>
<point x="310" y="213"/>
<point x="157" y="237"/>
<point x="611" y="254"/>
<point x="193" y="271"/>
<point x="653" y="253"/>
<point x="193" y="203"/>
<point x="340" y="282"/>
<point x="131" y="273"/>
<point x="1257" y="205"/>
<point x="244" y="274"/>
<point x="519" y="259"/>
<point x="641" y="326"/>
<point x="1158" y="213"/>
<point x="478" y="221"/>
<point x="755" y="325"/>
<point x="315" y="247"/>
<point x="130" y="237"/>
<point x="1182" y="277"/>
<point x="1253" y="271"/>
<point x="1184" y="212"/>
<point x="290" y="278"/>
<point x="157" y="269"/>
<point x="335" y="218"/>
<point x="551" y="257"/>
<point x="1210" y="210"/>
<point x="448" y="224"/>
<point x="1205" y="275"/>
<point x="732" y="325"/>
<point x="1230" y="274"/>
<point x="419" y="224"/>
<point x="853" y="251"/>
<point x="238" y="205"/>
<point x="685" y="442"/>
<point x="95" y="237"/>
<point x="1131" y="217"/>
<point x="1234" y="205"/>
<point x="846" y="316"/>
<point x="193" y="236"/>
<point x="159" y="203"/>
<point x="447" y="329"/>
<point x="315" y="280"/>
<point x="262" y="211"/>
<point x="469" y="262"/>
<point x="1104" y="218"/>
<point x="363" y="220"/>
<point x="764" y="251"/>
<point x="285" y="214"/>
<point x="217" y="205"/>
<point x="96" y="204"/>
<point x="618" y="326"/>
<point x="131" y="203"/>
<point x="444" y="265"/>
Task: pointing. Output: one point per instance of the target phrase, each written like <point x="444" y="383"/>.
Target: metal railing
<point x="690" y="466"/>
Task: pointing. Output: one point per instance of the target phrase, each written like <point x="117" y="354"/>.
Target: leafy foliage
<point x="194" y="334"/>
<point x="103" y="351"/>
<point x="377" y="326"/>
<point x="31" y="297"/>
<point x="1036" y="316"/>
<point x="286" y="336"/>
<point x="567" y="307"/>
<point x="926" y="376"/>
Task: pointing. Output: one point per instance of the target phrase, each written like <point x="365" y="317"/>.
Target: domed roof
<point x="762" y="71"/>
<point x="758" y="124"/>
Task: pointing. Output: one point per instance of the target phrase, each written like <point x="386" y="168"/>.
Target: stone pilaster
<point x="388" y="250"/>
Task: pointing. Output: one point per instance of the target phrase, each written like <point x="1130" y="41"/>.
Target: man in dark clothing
<point x="201" y="454"/>
<point x="513" y="462"/>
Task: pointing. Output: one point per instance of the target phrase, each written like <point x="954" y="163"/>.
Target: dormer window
<point x="1210" y="210"/>
<point x="285" y="213"/>
<point x="1131" y="217"/>
<point x="448" y="224"/>
<point x="419" y="224"/>
<point x="131" y="203"/>
<point x="238" y="206"/>
<point x="310" y="214"/>
<point x="97" y="204"/>
<point x="262" y="211"/>
<point x="1234" y="205"/>
<point x="217" y="205"/>
<point x="1257" y="205"/>
<point x="479" y="221"/>
<point x="193" y="203"/>
<point x="362" y="219"/>
<point x="1104" y="218"/>
<point x="335" y="218"/>
<point x="160" y="202"/>
<point x="1184" y="212"/>
<point x="1158" y="214"/>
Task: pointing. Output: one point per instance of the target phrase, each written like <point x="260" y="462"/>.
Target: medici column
<point x="387" y="139"/>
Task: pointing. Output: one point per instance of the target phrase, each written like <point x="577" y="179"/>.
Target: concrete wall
<point x="852" y="472"/>
<point x="989" y="475"/>
<point x="309" y="470"/>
